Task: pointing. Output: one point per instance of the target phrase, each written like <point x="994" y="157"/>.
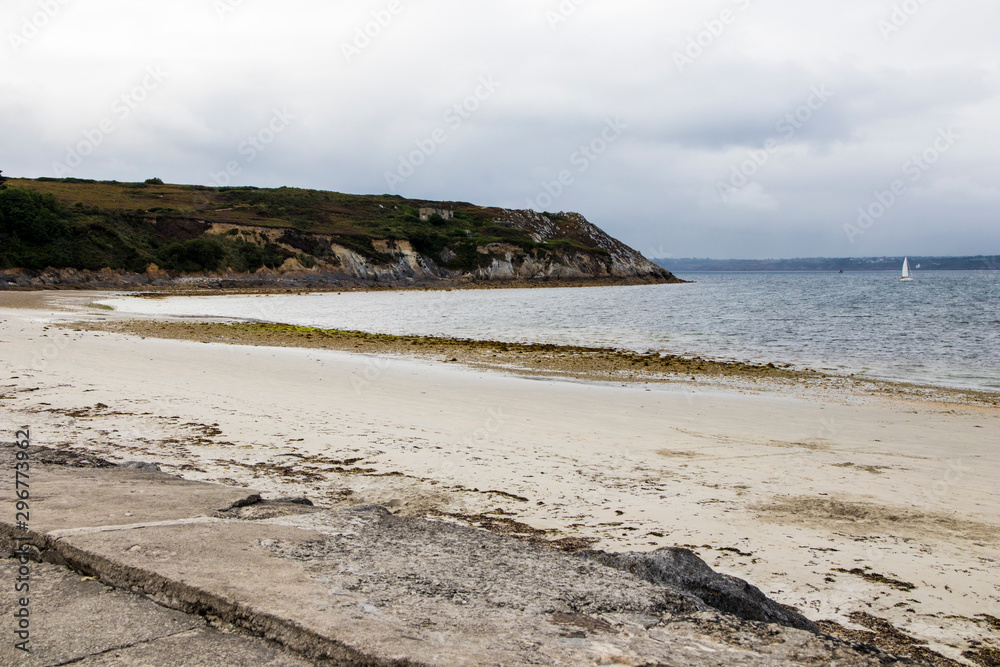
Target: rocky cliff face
<point x="617" y="259"/>
<point x="583" y="251"/>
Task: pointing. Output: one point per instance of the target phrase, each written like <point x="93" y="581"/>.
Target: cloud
<point x="368" y="83"/>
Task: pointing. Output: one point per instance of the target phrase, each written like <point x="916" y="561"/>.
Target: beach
<point x="849" y="503"/>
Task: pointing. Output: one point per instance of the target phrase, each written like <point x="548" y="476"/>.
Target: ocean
<point x="943" y="328"/>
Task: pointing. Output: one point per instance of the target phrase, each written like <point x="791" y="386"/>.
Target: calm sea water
<point x="943" y="328"/>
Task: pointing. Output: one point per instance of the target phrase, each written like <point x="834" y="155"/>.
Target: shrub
<point x="31" y="216"/>
<point x="249" y="256"/>
<point x="201" y="254"/>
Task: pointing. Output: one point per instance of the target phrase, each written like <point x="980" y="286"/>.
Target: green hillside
<point x="92" y="225"/>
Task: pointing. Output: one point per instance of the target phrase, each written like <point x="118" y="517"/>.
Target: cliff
<point x="74" y="232"/>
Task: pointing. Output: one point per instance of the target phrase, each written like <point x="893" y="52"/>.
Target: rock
<point x="66" y="457"/>
<point x="141" y="465"/>
<point x="291" y="265"/>
<point x="297" y="501"/>
<point x="270" y="509"/>
<point x="682" y="570"/>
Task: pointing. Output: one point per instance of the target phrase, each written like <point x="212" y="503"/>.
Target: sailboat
<point x="906" y="270"/>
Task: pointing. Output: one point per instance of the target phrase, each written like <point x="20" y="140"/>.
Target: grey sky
<point x="736" y="128"/>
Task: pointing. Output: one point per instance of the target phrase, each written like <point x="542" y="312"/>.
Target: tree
<point x="32" y="216"/>
<point x="2" y="181"/>
<point x="201" y="254"/>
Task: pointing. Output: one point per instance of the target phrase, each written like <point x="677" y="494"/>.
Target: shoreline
<point x="914" y="374"/>
<point x="589" y="364"/>
<point x="848" y="505"/>
<point x="145" y="286"/>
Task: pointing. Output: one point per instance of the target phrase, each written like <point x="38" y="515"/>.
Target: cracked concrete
<point x="78" y="620"/>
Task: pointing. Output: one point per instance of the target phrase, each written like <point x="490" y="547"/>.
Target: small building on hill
<point x="426" y="213"/>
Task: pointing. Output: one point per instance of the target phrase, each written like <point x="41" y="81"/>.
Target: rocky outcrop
<point x="584" y="252"/>
<point x="682" y="570"/>
<point x="623" y="259"/>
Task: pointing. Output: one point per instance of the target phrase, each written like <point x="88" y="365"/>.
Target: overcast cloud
<point x="735" y="128"/>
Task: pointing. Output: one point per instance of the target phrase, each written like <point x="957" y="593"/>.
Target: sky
<point x="724" y="129"/>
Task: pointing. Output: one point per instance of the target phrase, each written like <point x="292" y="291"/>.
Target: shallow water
<point x="943" y="328"/>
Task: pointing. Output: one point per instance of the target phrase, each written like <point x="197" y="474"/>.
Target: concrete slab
<point x="204" y="647"/>
<point x="73" y="496"/>
<point x="365" y="586"/>
<point x="80" y="620"/>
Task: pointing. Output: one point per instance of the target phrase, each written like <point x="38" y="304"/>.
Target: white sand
<point x="775" y="489"/>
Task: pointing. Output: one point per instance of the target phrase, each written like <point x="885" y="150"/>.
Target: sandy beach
<point x="850" y="505"/>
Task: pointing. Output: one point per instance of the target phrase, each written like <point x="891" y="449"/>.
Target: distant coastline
<point x="966" y="263"/>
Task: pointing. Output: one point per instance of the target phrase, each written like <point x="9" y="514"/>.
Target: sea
<point x="942" y="329"/>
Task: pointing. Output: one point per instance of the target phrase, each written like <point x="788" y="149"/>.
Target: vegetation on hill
<point x="38" y="231"/>
<point x="82" y="224"/>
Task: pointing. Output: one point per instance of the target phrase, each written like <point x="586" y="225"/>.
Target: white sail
<point x="906" y="270"/>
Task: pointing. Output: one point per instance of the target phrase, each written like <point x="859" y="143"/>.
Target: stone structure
<point x="426" y="213"/>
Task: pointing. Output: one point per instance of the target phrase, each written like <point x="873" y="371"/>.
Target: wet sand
<point x="852" y="501"/>
<point x="539" y="360"/>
